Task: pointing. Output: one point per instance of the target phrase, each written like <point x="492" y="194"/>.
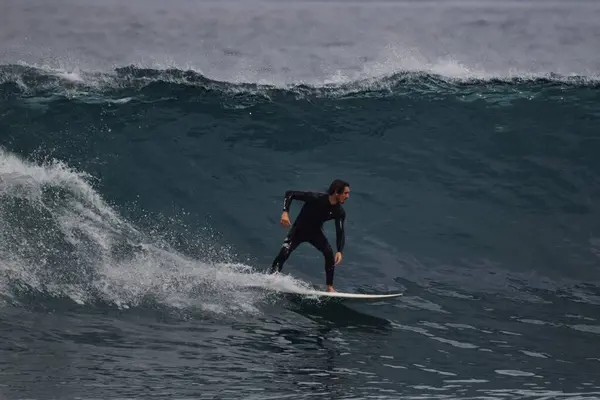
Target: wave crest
<point x="145" y="84"/>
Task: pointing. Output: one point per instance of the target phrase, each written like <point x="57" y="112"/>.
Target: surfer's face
<point x="341" y="197"/>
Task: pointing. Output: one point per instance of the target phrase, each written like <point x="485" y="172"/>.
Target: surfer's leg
<point x="319" y="240"/>
<point x="291" y="241"/>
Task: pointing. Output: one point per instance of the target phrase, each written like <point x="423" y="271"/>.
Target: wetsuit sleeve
<point x="297" y="195"/>
<point x="339" y="231"/>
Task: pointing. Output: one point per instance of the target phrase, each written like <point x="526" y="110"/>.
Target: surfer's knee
<point x="284" y="253"/>
<point x="329" y="258"/>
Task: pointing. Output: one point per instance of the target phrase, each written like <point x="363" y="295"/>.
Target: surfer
<point x="318" y="208"/>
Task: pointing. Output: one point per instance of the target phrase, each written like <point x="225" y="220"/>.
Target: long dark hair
<point x="337" y="186"/>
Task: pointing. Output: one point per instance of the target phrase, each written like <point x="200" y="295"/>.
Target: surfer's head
<point x="340" y="189"/>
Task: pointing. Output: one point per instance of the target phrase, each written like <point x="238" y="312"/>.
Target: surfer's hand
<point x="285" y="219"/>
<point x="338" y="257"/>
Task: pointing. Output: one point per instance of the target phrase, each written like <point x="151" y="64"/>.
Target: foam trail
<point x="59" y="237"/>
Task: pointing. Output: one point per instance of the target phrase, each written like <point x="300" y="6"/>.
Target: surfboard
<point x="341" y="295"/>
<point x="283" y="284"/>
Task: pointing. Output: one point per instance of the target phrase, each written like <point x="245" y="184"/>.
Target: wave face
<point x="145" y="151"/>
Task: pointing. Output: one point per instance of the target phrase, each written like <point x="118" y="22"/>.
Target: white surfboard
<point x="343" y="295"/>
<point x="285" y="284"/>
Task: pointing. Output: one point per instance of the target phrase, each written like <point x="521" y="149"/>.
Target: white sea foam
<point x="77" y="246"/>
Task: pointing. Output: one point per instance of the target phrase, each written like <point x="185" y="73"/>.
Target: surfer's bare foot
<point x="330" y="288"/>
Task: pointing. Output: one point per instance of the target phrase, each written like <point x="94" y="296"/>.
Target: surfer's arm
<point x="339" y="231"/>
<point x="297" y="195"/>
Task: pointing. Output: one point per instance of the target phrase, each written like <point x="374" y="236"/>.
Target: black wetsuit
<point x="308" y="227"/>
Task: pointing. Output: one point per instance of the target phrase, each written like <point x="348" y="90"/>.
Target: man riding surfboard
<point x="317" y="209"/>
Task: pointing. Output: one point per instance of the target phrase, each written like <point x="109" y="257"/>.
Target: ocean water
<point x="145" y="148"/>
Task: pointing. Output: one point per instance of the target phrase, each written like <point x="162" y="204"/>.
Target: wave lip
<point x="143" y="84"/>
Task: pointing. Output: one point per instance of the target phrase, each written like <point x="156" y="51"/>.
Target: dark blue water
<point x="140" y="201"/>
